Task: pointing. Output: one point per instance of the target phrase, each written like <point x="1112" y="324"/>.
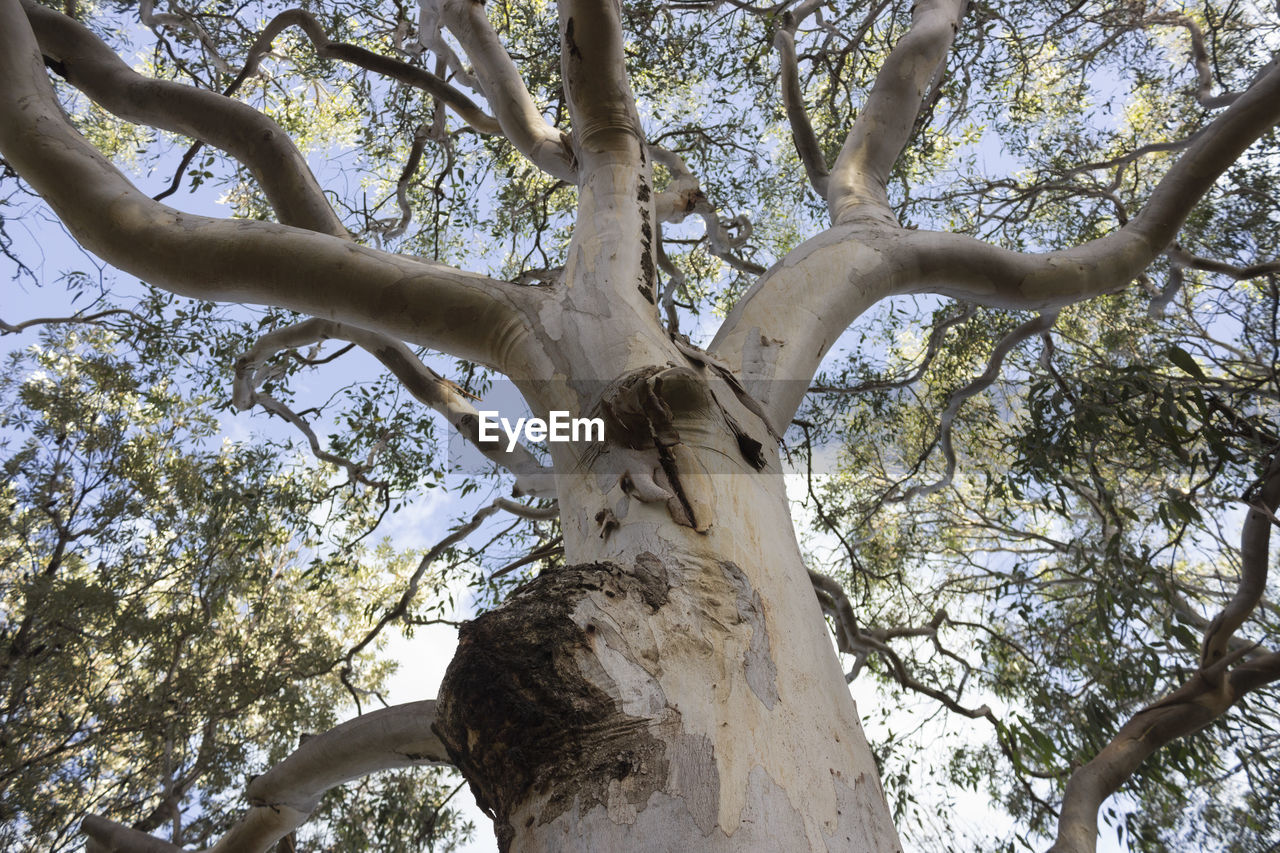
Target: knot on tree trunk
<point x="521" y="719"/>
<point x="645" y="412"/>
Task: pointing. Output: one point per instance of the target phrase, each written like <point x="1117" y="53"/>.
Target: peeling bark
<point x="566" y="710"/>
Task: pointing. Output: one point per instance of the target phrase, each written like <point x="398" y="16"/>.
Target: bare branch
<point x="1199" y="60"/>
<point x="107" y="836"/>
<point x="240" y="130"/>
<point x="422" y="382"/>
<point x="430" y="37"/>
<point x="936" y="336"/>
<point x="181" y="19"/>
<point x="14" y="328"/>
<point x="468" y="315"/>
<point x="401" y="608"/>
<point x="283" y="798"/>
<point x="860" y="177"/>
<point x="519" y="117"/>
<point x="685" y="196"/>
<point x="675" y="282"/>
<point x="806" y="142"/>
<point x="1184" y="258"/>
<point x="1031" y="328"/>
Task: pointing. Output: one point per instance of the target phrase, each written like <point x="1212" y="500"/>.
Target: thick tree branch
<point x="601" y="103"/>
<point x="467" y="315"/>
<point x="784" y="325"/>
<point x="1204" y="698"/>
<point x="240" y="130"/>
<point x="508" y="97"/>
<point x="1255" y="550"/>
<point x="283" y="798"/>
<point x="859" y="180"/>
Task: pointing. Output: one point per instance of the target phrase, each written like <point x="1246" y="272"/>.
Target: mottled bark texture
<point x="554" y="708"/>
<point x="521" y="719"/>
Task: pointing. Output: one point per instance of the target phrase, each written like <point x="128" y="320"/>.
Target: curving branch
<point x="1180" y="259"/>
<point x="283" y="798"/>
<point x="246" y="134"/>
<point x="389" y="67"/>
<point x="431" y="38"/>
<point x="858" y="186"/>
<point x="806" y="141"/>
<point x="357" y="472"/>
<point x="519" y="117"/>
<point x="397" y="227"/>
<point x="1199" y="60"/>
<point x="675" y="282"/>
<point x="784" y="325"/>
<point x="1211" y="692"/>
<point x="1255" y="549"/>
<point x="1207" y="695"/>
<point x="427" y="386"/>
<point x="684" y="196"/>
<point x="401" y="608"/>
<point x="936" y="335"/>
<point x="850" y="639"/>
<point x="92" y="319"/>
<point x="467" y="315"/>
<point x="1183" y="258"/>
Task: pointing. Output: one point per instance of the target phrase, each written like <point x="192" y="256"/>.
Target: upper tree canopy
<point x="1002" y="278"/>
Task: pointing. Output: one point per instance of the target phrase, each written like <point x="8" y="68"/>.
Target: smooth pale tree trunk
<point x="674" y="687"/>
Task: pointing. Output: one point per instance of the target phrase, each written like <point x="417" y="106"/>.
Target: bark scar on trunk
<point x="522" y="721"/>
<point x="641" y="411"/>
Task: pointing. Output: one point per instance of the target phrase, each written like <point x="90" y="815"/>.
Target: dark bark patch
<point x="520" y="719"/>
<point x="762" y="672"/>
<point x="640" y="411"/>
<point x="55" y="66"/>
<point x="607" y="521"/>
<point x="648" y="273"/>
<point x="655" y="583"/>
<point x="569" y="42"/>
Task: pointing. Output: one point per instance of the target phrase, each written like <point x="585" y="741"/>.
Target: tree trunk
<point x="674" y="688"/>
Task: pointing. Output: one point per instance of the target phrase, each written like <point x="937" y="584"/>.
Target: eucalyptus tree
<point x="669" y="682"/>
